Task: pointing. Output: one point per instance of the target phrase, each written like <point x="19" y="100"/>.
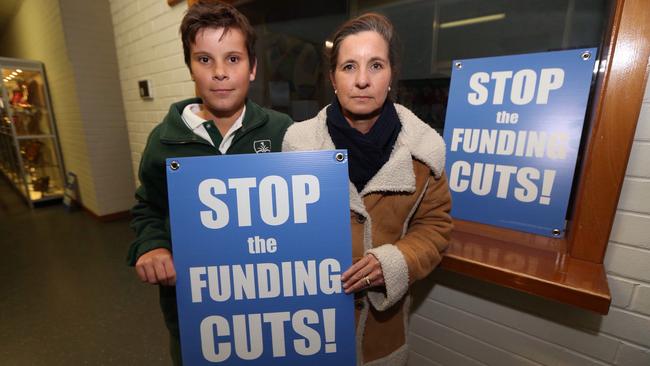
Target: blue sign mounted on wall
<point x="513" y="129"/>
<point x="260" y="243"/>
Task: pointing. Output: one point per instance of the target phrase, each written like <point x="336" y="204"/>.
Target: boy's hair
<point x="215" y="14"/>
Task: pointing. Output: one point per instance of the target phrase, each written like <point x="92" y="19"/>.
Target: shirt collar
<point x="194" y="121"/>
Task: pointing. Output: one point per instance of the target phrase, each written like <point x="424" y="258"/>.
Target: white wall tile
<point x="629" y="262"/>
<point x="630" y="355"/>
<point x="462" y="343"/>
<point x="627" y="325"/>
<point x="641" y="300"/>
<point x="635" y="195"/>
<point x="513" y="335"/>
<point x="643" y="125"/>
<point x="440" y="354"/>
<point x="639" y="163"/>
<point x="631" y="228"/>
<point x="621" y="291"/>
<point x="416" y="359"/>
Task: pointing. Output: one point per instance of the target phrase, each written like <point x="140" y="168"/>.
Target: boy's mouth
<point x="221" y="92"/>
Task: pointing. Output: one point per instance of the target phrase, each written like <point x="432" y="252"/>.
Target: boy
<point x="219" y="50"/>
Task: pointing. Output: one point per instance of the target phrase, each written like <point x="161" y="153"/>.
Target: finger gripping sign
<point x="513" y="129"/>
<point x="260" y="243"/>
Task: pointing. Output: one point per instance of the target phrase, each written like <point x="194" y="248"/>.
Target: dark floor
<point x="66" y="295"/>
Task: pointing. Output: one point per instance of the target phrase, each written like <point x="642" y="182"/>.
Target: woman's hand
<point x="364" y="274"/>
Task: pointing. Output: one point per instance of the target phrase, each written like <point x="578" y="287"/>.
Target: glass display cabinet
<point x="30" y="158"/>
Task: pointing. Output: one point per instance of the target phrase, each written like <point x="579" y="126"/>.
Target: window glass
<point x="292" y="73"/>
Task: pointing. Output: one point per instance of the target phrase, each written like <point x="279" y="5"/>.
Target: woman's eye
<point x="377" y="66"/>
<point x="348" y="67"/>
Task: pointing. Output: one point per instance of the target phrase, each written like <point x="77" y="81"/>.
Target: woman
<point x="399" y="199"/>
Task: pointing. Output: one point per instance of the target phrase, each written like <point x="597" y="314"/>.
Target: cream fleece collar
<point x="416" y="140"/>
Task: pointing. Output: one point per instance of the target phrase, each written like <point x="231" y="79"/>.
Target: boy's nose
<point x="220" y="77"/>
<point x="219" y="73"/>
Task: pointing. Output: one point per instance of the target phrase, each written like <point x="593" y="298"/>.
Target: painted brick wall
<point x="89" y="38"/>
<point x="461" y="321"/>
<point x="149" y="47"/>
<point x="74" y="39"/>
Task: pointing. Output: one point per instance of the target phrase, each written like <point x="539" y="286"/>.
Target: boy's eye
<point x="204" y="59"/>
<point x="233" y="59"/>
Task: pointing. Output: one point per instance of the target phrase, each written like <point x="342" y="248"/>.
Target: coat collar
<point x="174" y="130"/>
<point x="416" y="141"/>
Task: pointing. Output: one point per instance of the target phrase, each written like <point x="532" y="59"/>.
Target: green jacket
<point x="172" y="138"/>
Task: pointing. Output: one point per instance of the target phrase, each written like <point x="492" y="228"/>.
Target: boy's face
<point x="221" y="70"/>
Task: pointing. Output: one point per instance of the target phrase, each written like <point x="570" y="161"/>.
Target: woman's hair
<point x="214" y="14"/>
<point x="369" y="22"/>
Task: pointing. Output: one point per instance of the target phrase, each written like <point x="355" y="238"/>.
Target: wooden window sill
<point x="529" y="263"/>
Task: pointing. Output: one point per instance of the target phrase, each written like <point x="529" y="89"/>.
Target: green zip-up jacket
<point x="172" y="138"/>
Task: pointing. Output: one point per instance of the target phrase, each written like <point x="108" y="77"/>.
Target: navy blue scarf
<point x="367" y="153"/>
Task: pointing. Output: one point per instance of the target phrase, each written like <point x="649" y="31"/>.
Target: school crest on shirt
<point x="262" y="146"/>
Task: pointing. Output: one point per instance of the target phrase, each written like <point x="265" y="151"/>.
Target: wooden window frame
<point x="571" y="270"/>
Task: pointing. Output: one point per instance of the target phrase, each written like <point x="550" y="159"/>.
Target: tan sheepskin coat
<point x="401" y="217"/>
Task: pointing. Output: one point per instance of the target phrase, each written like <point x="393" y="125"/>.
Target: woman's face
<point x="362" y="75"/>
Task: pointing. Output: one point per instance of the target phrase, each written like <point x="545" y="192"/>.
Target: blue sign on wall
<point x="513" y="129"/>
<point x="260" y="242"/>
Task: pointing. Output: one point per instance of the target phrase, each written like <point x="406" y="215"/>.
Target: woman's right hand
<point x="362" y="275"/>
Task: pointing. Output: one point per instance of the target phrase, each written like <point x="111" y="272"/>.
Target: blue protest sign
<point x="513" y="129"/>
<point x="260" y="242"/>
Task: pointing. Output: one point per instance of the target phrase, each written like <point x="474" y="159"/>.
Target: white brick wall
<point x="91" y="48"/>
<point x="149" y="47"/>
<point x="492" y="325"/>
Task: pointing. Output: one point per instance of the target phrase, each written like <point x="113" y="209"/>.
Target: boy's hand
<point x="156" y="267"/>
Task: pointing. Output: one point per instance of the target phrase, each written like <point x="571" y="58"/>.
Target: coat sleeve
<point x="150" y="214"/>
<point x="418" y="252"/>
<point x="289" y="137"/>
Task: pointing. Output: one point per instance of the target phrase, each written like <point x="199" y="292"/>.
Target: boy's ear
<point x="253" y="72"/>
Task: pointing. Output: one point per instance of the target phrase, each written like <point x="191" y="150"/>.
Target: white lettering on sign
<point x="265" y="280"/>
<point x="525" y="86"/>
<point x="273" y="195"/>
<point x="537" y="144"/>
<point x="245" y="331"/>
<point x="531" y="184"/>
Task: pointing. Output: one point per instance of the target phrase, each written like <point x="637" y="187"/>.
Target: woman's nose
<point x="362" y="80"/>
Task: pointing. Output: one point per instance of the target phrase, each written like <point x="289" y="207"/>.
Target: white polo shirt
<point x="195" y="123"/>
